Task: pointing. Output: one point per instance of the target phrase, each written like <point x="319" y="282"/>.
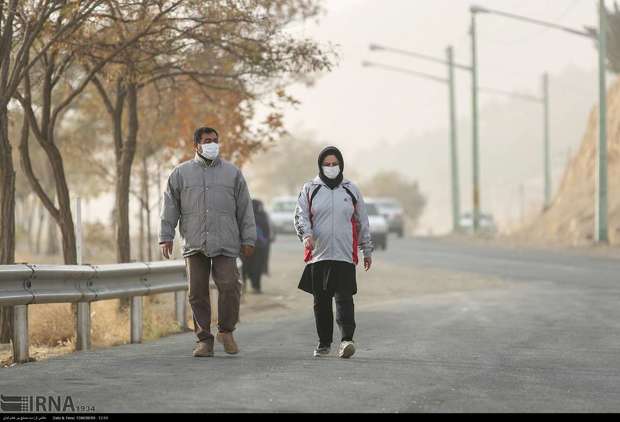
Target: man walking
<point x="210" y="198"/>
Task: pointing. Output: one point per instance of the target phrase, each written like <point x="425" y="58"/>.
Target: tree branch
<point x="102" y="63"/>
<point x="27" y="167"/>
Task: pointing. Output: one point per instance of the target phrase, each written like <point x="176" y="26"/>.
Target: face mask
<point x="210" y="150"/>
<point x="331" y="172"/>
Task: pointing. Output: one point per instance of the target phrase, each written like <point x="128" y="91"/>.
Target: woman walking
<point x="256" y="265"/>
<point x="331" y="220"/>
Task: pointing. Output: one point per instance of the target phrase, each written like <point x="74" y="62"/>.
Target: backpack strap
<point x="310" y="198"/>
<point x="314" y="192"/>
<point x="353" y="198"/>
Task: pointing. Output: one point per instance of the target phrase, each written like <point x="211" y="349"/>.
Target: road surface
<point x="548" y="340"/>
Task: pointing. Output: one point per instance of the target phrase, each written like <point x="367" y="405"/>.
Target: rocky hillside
<point x="570" y="219"/>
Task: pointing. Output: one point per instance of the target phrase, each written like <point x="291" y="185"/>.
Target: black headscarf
<point x="331" y="183"/>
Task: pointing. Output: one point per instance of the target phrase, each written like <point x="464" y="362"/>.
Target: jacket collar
<point x="201" y="161"/>
<point x="317" y="181"/>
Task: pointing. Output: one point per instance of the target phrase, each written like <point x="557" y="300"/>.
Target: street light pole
<point x="546" y="153"/>
<point x="456" y="212"/>
<point x="453" y="128"/>
<point x="601" y="231"/>
<point x="601" y="201"/>
<point x="475" y="151"/>
<point x="452" y="66"/>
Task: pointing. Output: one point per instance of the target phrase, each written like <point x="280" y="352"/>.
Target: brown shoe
<point x="204" y="349"/>
<point x="228" y="341"/>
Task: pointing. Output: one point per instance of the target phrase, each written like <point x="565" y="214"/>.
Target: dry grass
<point x="51" y="326"/>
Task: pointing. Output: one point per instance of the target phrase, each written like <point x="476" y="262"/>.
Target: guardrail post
<point x="136" y="319"/>
<point x="180" y="302"/>
<point x="20" y="334"/>
<point x="83" y="326"/>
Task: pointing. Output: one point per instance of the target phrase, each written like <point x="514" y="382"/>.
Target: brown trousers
<point x="227" y="280"/>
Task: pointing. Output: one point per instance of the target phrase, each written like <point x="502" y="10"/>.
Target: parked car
<point x="378" y="226"/>
<point x="282" y="214"/>
<point x="393" y="212"/>
<point x="486" y="223"/>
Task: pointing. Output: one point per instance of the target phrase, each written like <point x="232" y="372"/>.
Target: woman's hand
<point x="309" y="243"/>
<point x="367" y="263"/>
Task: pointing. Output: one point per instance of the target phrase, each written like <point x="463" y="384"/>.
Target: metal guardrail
<point x="27" y="284"/>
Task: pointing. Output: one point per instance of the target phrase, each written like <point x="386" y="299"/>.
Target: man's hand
<point x="166" y="249"/>
<point x="308" y="243"/>
<point x="367" y="263"/>
<point x="247" y="250"/>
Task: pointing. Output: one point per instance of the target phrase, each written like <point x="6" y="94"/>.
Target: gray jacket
<point x="213" y="205"/>
<point x="336" y="219"/>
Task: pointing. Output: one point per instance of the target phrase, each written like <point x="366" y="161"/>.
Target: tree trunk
<point x="124" y="160"/>
<point x="146" y="206"/>
<point x="149" y="236"/>
<point x="37" y="243"/>
<point x="52" y="237"/>
<point x="31" y="214"/>
<point x="141" y="219"/>
<point x="7" y="217"/>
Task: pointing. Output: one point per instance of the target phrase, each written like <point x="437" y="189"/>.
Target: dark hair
<point x="203" y="130"/>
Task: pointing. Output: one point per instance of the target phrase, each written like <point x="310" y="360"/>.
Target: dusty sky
<point x="384" y="120"/>
<point x="360" y="106"/>
<point x="364" y="111"/>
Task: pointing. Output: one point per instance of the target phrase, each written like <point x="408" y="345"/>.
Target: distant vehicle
<point x="393" y="212"/>
<point x="282" y="214"/>
<point x="379" y="228"/>
<point x="486" y="223"/>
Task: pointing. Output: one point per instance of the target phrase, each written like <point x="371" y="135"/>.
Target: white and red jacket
<point x="336" y="219"/>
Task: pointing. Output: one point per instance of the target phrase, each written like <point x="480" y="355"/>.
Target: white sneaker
<point x="346" y="349"/>
<point x="321" y="351"/>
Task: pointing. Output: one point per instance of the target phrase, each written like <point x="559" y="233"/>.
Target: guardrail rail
<point x="28" y="284"/>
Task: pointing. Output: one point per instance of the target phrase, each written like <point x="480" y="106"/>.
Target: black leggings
<point x="324" y="316"/>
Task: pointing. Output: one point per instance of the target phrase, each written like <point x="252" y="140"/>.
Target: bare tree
<point x="22" y="23"/>
<point x="53" y="68"/>
<point x="215" y="46"/>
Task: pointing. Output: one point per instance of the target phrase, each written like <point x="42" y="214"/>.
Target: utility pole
<point x="601" y="232"/>
<point x="456" y="212"/>
<point x="475" y="134"/>
<point x="601" y="200"/>
<point x="546" y="152"/>
<point x="450" y="81"/>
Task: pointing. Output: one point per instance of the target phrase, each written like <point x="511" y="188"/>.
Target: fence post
<point x="83" y="326"/>
<point x="180" y="302"/>
<point x="83" y="308"/>
<point x="20" y="334"/>
<point x="136" y="319"/>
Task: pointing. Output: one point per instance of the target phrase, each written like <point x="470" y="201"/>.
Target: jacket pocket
<point x="192" y="199"/>
<point x="229" y="233"/>
<point x="191" y="228"/>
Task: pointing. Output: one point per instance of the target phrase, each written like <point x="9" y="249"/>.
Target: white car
<point x="486" y="223"/>
<point x="379" y="227"/>
<point x="393" y="212"/>
<point x="282" y="214"/>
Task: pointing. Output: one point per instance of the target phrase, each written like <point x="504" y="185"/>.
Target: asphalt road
<point x="547" y="342"/>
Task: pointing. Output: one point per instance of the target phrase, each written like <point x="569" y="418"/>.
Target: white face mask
<point x="210" y="150"/>
<point x="331" y="172"/>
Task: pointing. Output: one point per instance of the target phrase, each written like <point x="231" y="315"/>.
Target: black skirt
<point x="337" y="276"/>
